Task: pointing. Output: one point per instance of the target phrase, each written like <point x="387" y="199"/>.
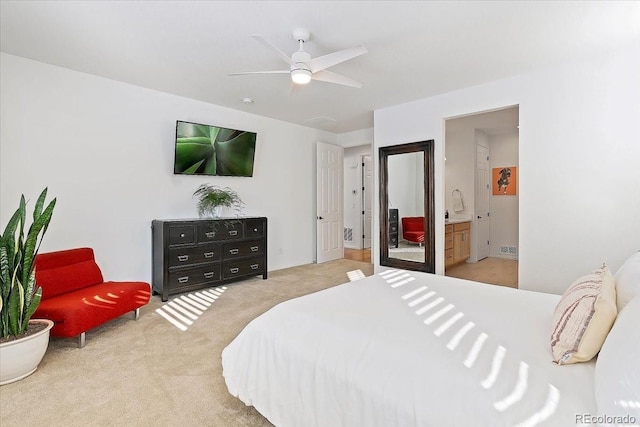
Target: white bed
<point x="408" y="349"/>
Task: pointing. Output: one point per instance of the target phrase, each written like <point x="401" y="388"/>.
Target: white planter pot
<point x="20" y="358"/>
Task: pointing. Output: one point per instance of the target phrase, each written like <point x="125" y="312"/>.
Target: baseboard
<point x="511" y="257"/>
<point x="351" y="247"/>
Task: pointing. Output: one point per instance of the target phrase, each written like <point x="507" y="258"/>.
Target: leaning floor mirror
<point x="407" y="223"/>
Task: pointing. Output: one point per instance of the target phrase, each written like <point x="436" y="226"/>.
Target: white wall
<point x="460" y="169"/>
<point x="353" y="193"/>
<point x="504" y="209"/>
<point x="105" y="150"/>
<point x="579" y="151"/>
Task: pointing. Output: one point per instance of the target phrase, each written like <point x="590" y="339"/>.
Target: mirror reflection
<point x="405" y="195"/>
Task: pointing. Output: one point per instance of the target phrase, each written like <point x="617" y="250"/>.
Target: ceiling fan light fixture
<point x="301" y="76"/>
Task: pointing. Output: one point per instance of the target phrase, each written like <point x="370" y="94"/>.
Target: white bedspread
<point x="408" y="349"/>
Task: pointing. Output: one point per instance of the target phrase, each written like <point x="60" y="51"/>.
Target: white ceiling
<point x="415" y="49"/>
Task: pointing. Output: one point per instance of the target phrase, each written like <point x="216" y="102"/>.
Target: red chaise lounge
<point x="413" y="229"/>
<point x="76" y="297"/>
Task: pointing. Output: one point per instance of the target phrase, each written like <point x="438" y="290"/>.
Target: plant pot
<point x="20" y="358"/>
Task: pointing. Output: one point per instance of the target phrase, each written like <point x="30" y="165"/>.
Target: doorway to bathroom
<point x="477" y="146"/>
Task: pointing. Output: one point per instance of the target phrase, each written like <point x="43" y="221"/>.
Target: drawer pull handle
<point x="254" y="266"/>
<point x="182" y="235"/>
<point x="234" y="270"/>
<point x="233" y="232"/>
<point x="184" y="279"/>
<point x="255" y="230"/>
<point x="183" y="258"/>
<point x="234" y="251"/>
<point x="208" y="275"/>
<point x="254" y="249"/>
<point x="208" y="254"/>
<point x="210" y="234"/>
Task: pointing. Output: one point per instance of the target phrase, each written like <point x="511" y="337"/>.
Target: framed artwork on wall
<point x="505" y="180"/>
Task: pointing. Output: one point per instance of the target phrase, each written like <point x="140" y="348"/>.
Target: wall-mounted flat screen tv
<point x="212" y="150"/>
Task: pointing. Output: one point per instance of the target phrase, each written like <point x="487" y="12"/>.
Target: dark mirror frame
<point x="426" y="147"/>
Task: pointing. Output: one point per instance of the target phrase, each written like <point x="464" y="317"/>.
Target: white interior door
<point x="483" y="198"/>
<point x="367" y="195"/>
<point x="329" y="229"/>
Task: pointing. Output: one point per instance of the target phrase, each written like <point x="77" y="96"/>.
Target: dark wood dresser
<point x="194" y="254"/>
<point x="393" y="227"/>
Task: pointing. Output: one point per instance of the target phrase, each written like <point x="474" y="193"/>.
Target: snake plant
<point x="20" y="293"/>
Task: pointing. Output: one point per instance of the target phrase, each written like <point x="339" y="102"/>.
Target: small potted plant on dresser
<point x="211" y="200"/>
<point x="23" y="342"/>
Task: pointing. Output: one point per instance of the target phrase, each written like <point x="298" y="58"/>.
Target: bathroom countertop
<point x="456" y="220"/>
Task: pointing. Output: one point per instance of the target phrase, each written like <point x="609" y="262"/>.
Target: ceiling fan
<point x="303" y="68"/>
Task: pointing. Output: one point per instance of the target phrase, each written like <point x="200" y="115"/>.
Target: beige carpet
<point x="150" y="373"/>
<point x="407" y="251"/>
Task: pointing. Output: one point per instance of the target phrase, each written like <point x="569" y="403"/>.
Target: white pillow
<point x="617" y="374"/>
<point x="583" y="317"/>
<point x="627" y="280"/>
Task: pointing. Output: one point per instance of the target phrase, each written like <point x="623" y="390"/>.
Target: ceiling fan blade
<point x="330" y="77"/>
<point x="293" y="89"/>
<point x="268" y="44"/>
<point x="261" y="72"/>
<point x="322" y="62"/>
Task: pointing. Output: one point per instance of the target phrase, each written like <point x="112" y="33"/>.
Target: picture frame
<point x="505" y="181"/>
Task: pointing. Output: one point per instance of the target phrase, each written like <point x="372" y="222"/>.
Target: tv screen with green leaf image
<point x="211" y="150"/>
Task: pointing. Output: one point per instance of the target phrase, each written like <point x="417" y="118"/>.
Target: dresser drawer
<point x="254" y="228"/>
<point x="181" y="234"/>
<point x="448" y="241"/>
<point x="231" y="269"/>
<point x="393" y="241"/>
<point x="462" y="226"/>
<point x="194" y="254"/>
<point x="220" y="230"/>
<point x="193" y="276"/>
<point x="393" y="227"/>
<point x="242" y="249"/>
<point x="448" y="257"/>
<point x="393" y="214"/>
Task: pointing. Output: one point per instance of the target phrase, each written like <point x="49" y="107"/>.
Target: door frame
<point x="480" y="216"/>
<point x="363" y="203"/>
<point x="446" y="123"/>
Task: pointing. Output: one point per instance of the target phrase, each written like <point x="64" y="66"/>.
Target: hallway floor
<point x="363" y="255"/>
<point x="495" y="271"/>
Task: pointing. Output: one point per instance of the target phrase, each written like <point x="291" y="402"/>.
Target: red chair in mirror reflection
<point x="413" y="229"/>
<point x="76" y="297"/>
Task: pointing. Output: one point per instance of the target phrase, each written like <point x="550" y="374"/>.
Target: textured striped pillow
<point x="583" y="317"/>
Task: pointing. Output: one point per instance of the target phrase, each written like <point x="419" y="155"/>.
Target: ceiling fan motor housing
<point x="300" y="71"/>
<point x="300" y="60"/>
